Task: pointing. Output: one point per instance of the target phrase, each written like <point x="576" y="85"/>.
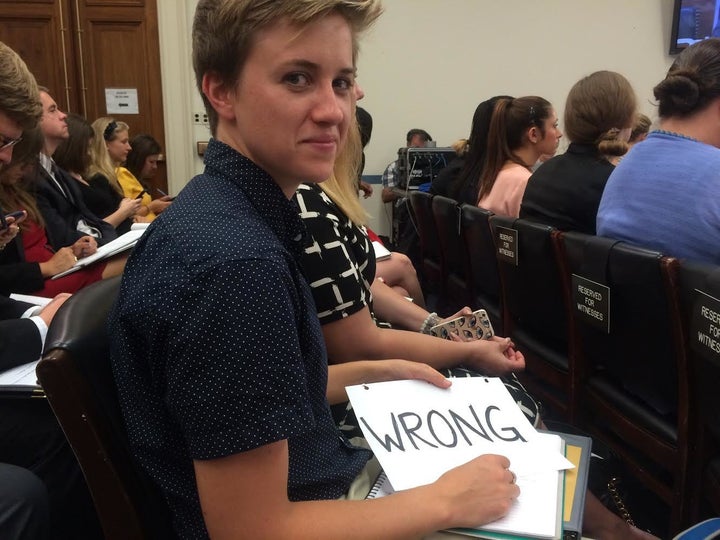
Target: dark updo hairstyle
<point x="598" y="107"/>
<point x="692" y="82"/>
<point x="73" y="153"/>
<point x="141" y="146"/>
<point x="476" y="150"/>
<point x="509" y="125"/>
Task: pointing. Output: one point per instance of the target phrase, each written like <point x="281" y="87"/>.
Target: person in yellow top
<point x="109" y="151"/>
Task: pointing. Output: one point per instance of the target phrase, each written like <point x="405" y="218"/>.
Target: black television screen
<point x="693" y="20"/>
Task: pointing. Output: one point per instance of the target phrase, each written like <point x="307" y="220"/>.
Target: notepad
<point x="419" y="431"/>
<point x="20" y="381"/>
<point x="120" y="244"/>
<point x="538" y="511"/>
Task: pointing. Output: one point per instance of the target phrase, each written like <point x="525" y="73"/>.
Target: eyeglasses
<point x="7" y="142"/>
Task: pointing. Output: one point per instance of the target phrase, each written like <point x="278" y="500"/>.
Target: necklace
<point x="675" y="134"/>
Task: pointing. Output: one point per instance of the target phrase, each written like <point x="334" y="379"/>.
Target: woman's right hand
<point x="478" y="492"/>
<point x="63" y="259"/>
<point x="130" y="207"/>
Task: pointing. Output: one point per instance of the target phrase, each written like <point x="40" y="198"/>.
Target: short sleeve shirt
<point x="216" y="347"/>
<point x="338" y="261"/>
<point x="388" y="176"/>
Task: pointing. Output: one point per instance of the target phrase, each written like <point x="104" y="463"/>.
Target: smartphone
<point x="163" y="194"/>
<point x="477" y="325"/>
<point x="3" y="218"/>
<point x="139" y="195"/>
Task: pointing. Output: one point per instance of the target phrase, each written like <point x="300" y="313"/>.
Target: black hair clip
<point x="109" y="130"/>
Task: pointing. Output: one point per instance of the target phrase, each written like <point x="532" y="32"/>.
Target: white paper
<point x="23" y="375"/>
<point x="535" y="509"/>
<point x="400" y="414"/>
<point x="387" y="407"/>
<point x="120" y="244"/>
<point x="121" y="101"/>
<point x="30" y="299"/>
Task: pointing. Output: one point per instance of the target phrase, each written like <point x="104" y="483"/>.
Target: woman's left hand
<point x="85" y="246"/>
<point x="494" y="356"/>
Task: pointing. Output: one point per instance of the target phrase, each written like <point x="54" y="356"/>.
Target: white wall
<point x="428" y="63"/>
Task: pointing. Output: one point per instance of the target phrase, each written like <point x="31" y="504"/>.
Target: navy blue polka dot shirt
<point x="216" y="345"/>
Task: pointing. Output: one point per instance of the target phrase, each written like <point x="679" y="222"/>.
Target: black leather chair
<point x="631" y="370"/>
<point x="534" y="314"/>
<point x="699" y="299"/>
<point x="454" y="259"/>
<point x="76" y="375"/>
<point x="431" y="258"/>
<point x="483" y="275"/>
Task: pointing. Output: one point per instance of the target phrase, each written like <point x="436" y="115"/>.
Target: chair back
<point x="430" y="253"/>
<point x="534" y="309"/>
<point x="454" y="259"/>
<point x="644" y="334"/>
<point x="76" y="374"/>
<point x="482" y="264"/>
<point x="700" y="304"/>
<point x="630" y="359"/>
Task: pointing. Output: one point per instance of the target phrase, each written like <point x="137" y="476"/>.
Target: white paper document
<point x="30" y="299"/>
<point x="120" y="244"/>
<point x="418" y="432"/>
<point x="22" y="376"/>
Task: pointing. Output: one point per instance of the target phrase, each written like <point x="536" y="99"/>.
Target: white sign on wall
<point x="121" y="101"/>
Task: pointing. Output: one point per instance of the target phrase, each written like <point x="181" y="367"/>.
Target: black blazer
<point x="62" y="214"/>
<point x="19" y="338"/>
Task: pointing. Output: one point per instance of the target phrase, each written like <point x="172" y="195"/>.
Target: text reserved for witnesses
<point x="591" y="302"/>
<point x="705" y="326"/>
<point x="507" y="245"/>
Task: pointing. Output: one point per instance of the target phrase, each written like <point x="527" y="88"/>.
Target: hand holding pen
<point x="164" y="196"/>
<point x="161" y="204"/>
<point x="85" y="246"/>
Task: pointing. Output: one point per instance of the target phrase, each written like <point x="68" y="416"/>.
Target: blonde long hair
<point x="100" y="160"/>
<point x="341" y="187"/>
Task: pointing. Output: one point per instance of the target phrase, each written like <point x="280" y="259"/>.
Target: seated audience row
<point x="32" y="446"/>
<point x="104" y="200"/>
<point x="110" y="150"/>
<point x="67" y="215"/>
<point x="29" y="261"/>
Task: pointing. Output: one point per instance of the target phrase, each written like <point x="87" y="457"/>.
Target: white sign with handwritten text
<point x="419" y="431"/>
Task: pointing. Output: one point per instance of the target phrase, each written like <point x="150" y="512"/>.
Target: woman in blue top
<point x="665" y="195"/>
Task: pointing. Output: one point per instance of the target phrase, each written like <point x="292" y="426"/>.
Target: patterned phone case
<point x="474" y="326"/>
